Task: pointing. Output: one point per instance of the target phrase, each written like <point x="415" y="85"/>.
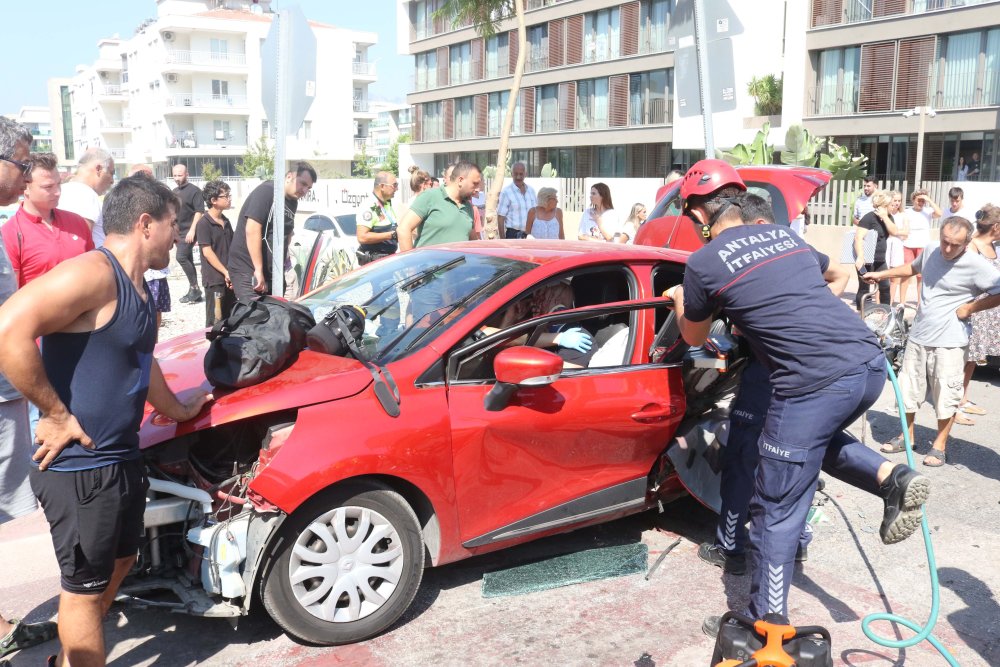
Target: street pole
<point x="280" y="121"/>
<point x="701" y="48"/>
<point x="920" y="148"/>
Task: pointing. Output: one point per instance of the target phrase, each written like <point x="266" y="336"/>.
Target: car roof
<point x="548" y="251"/>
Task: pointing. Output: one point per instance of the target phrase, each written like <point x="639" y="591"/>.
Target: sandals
<point x="26" y="635"/>
<point x="894" y="446"/>
<point x="971" y="408"/>
<point x="935" y="459"/>
<point x="963" y="420"/>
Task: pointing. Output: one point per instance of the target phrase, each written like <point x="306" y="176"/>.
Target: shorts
<point x="159" y="289"/>
<point x="910" y="254"/>
<point x="943" y="368"/>
<point x="95" y="517"/>
<point x="16" y="498"/>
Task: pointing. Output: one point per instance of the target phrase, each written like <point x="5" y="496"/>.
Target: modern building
<point x="37" y="119"/>
<point x="186" y="88"/>
<point x="391" y="122"/>
<point x="60" y="111"/>
<point x="871" y="61"/>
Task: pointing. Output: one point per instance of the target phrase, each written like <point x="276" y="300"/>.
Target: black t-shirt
<point x="769" y="282"/>
<point x="258" y="207"/>
<point x="192" y="201"/>
<point x="218" y="237"/>
<point x="973" y="170"/>
<point x="872" y="221"/>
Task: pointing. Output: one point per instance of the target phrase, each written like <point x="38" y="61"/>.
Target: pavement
<point x="628" y="621"/>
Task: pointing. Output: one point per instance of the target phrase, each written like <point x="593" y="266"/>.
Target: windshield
<point x="412" y="297"/>
<point x="669" y="205"/>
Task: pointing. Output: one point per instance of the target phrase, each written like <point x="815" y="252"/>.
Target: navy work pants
<point x="739" y="459"/>
<point x="803" y="434"/>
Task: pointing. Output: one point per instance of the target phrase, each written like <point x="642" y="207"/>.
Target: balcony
<point x="189" y="141"/>
<point x="363" y="108"/>
<point x="360" y="144"/>
<point x="536" y="64"/>
<point x="363" y="69"/>
<point x="190" y="103"/>
<point x="117" y="153"/>
<point x="116" y="126"/>
<point x="113" y="91"/>
<point x="846" y="12"/>
<point x="205" y="59"/>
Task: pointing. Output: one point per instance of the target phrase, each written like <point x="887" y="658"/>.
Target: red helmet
<point x="707" y="176"/>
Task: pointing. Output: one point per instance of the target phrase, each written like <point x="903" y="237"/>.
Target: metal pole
<point x="280" y="120"/>
<point x="701" y="48"/>
<point x="920" y="148"/>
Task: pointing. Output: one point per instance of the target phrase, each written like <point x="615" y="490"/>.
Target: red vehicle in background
<point x="788" y="189"/>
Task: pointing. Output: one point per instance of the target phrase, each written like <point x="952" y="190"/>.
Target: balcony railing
<point x="363" y="69"/>
<point x="860" y="11"/>
<point x="110" y="91"/>
<point x="117" y="153"/>
<point x="537" y="63"/>
<point x="360" y="144"/>
<point x="116" y="124"/>
<point x="361" y="106"/>
<point x="217" y="139"/>
<point x="212" y="101"/>
<point x="176" y="56"/>
<point x="548" y="124"/>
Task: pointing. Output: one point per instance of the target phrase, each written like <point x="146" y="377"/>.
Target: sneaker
<point x="195" y="296"/>
<point x="710" y="626"/>
<point x="712" y="553"/>
<point x="904" y="491"/>
<point x="186" y="298"/>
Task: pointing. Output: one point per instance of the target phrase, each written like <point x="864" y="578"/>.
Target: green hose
<point x="925" y="632"/>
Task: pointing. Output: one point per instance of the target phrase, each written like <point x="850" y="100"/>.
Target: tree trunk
<point x="493" y="196"/>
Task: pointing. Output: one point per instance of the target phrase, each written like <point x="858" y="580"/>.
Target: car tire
<point x="373" y="528"/>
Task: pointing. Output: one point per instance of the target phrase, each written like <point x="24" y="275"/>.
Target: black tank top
<point x="102" y="376"/>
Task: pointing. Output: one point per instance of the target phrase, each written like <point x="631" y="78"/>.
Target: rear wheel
<point x="346" y="567"/>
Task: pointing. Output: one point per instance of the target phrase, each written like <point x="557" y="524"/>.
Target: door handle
<point x="653" y="413"/>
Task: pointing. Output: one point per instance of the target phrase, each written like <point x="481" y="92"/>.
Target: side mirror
<point x="521" y="366"/>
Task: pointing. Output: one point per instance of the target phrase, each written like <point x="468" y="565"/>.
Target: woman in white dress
<point x="545" y="221"/>
<point x="600" y="222"/>
<point x="635" y="218"/>
<point x="894" y="244"/>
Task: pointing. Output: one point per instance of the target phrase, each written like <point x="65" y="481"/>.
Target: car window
<point x="348" y="223"/>
<point x="666" y="275"/>
<point x="670" y="204"/>
<point x="332" y="260"/>
<point x="409" y="299"/>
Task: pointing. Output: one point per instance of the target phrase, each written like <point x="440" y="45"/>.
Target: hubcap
<point x="346" y="564"/>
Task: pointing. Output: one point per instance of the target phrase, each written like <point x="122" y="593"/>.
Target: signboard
<point x="298" y="68"/>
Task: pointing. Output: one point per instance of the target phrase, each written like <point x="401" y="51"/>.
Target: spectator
<point x="250" y="259"/>
<point x="635" y="218"/>
<point x="962" y="170"/>
<point x="894" y="244"/>
<point x="974" y="167"/>
<point x="214" y="235"/>
<point x="435" y="183"/>
<point x="881" y="222"/>
<point x="956" y="198"/>
<point x="515" y="201"/>
<point x="375" y="221"/>
<point x="600" y="222"/>
<point x="935" y="351"/>
<point x="674" y="175"/>
<point x="192" y="208"/>
<point x="984" y="341"/>
<point x="156" y="279"/>
<point x="420" y="180"/>
<point x="918" y="221"/>
<point x="39" y="236"/>
<point x="16" y="497"/>
<point x="863" y="204"/>
<point x="545" y="220"/>
<point x="443" y="215"/>
<point x="82" y="193"/>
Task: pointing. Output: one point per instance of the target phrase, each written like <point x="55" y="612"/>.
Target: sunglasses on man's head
<point x="25" y="167"/>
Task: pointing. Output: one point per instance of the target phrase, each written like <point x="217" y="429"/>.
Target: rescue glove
<point x="575" y="339"/>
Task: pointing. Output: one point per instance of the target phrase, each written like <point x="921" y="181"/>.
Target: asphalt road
<point x="628" y="620"/>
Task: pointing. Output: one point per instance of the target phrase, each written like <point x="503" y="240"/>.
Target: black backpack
<point x="258" y="340"/>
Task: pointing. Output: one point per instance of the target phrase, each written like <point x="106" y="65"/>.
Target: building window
<point x="650" y="100"/>
<point x="497" y="105"/>
<point x="424" y="24"/>
<point x="220" y="89"/>
<point x="538" y="48"/>
<point x="219" y="49"/>
<point x="838" y="81"/>
<point x="67" y="120"/>
<point x="610" y="161"/>
<point x="601" y="38"/>
<point x="427" y="70"/>
<point x="465" y="126"/>
<point x="461" y="63"/>
<point x="305" y="132"/>
<point x="592" y="104"/>
<point x="497" y="56"/>
<point x="963" y="59"/>
<point x="547" y="108"/>
<point x="654" y="16"/>
<point x="433" y="122"/>
<point x="221" y="131"/>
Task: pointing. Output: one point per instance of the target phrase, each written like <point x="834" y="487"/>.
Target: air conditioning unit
<point x="168" y="36"/>
<point x="187" y="101"/>
<point x="171" y="78"/>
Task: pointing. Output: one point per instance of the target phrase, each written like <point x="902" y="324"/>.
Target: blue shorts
<point x="160" y="291"/>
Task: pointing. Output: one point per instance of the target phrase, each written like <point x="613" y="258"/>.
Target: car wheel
<point x="346" y="567"/>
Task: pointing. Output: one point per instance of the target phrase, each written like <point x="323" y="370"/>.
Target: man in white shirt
<point x="918" y="220"/>
<point x="957" y="198"/>
<point x="515" y="201"/>
<point x="82" y="193"/>
<point x="863" y="204"/>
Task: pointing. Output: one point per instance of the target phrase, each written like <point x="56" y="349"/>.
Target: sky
<point x="70" y="38"/>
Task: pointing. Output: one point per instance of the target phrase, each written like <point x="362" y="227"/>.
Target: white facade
<point x="186" y="87"/>
<point x="38" y="120"/>
<point x="391" y="121"/>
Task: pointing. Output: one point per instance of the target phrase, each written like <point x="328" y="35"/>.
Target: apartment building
<point x="391" y="122"/>
<point x="869" y="61"/>
<point x="186" y="88"/>
<point x="38" y="120"/>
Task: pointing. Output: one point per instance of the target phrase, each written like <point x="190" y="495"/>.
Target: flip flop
<point x="971" y="408"/>
<point x="963" y="420"/>
<point x="935" y="459"/>
<point x="894" y="446"/>
<point x="26" y="635"/>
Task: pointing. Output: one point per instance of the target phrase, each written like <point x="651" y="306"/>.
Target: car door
<point x="573" y="451"/>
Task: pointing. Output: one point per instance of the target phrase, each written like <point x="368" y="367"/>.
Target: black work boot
<point x="904" y="491"/>
<point x="713" y="553"/>
<point x="193" y="296"/>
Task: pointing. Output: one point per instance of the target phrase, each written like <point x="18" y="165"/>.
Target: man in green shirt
<point x="442" y="215"/>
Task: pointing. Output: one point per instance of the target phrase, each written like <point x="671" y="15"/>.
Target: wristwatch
<point x="394" y="236"/>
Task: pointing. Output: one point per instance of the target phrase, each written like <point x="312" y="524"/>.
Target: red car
<point x="306" y="492"/>
<point x="788" y="189"/>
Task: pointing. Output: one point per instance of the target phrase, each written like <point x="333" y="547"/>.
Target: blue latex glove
<point x="575" y="339"/>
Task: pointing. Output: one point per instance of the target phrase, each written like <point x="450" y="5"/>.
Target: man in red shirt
<point x="40" y="236"/>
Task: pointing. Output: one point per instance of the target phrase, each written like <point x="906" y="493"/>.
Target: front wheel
<point x="346" y="567"/>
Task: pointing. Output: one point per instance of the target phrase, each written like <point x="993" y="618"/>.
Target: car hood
<point x="313" y="378"/>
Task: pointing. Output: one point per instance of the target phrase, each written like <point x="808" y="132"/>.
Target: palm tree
<point x="486" y="16"/>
